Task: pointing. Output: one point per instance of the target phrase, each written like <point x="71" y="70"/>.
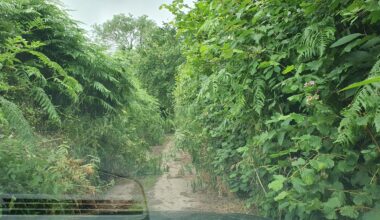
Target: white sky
<point x="90" y="12"/>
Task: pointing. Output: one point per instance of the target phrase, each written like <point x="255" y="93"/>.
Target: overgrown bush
<point x="55" y="85"/>
<point x="258" y="102"/>
<point x="152" y="52"/>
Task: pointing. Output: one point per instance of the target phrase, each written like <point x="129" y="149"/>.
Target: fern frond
<point x="68" y="82"/>
<point x="16" y="120"/>
<point x="102" y="89"/>
<point x="44" y="101"/>
<point x="315" y="40"/>
<point x="259" y="96"/>
<point x="72" y="84"/>
<point x="45" y="60"/>
<point x="35" y="72"/>
<point x="346" y="134"/>
<point x="366" y="101"/>
<point x="68" y="89"/>
<point x="376" y="120"/>
<point x="106" y="106"/>
<point x="7" y="7"/>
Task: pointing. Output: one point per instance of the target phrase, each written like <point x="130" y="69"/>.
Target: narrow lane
<point x="173" y="190"/>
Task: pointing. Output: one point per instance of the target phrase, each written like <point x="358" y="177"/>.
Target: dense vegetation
<point x="258" y="102"/>
<point x="66" y="107"/>
<point x="151" y="51"/>
<point x="277" y="101"/>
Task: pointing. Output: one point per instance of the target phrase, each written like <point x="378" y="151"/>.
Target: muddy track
<point x="173" y="190"/>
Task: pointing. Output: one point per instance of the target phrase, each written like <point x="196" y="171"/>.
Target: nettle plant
<point x="261" y="102"/>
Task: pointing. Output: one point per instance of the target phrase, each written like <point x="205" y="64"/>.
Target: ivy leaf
<point x="278" y="183"/>
<point x="349" y="211"/>
<point x="345" y="39"/>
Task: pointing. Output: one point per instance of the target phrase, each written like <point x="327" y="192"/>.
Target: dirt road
<point x="174" y="189"/>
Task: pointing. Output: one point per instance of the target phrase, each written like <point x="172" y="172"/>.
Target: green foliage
<point x="44" y="101"/>
<point x="15" y="119"/>
<point x="362" y="83"/>
<point x="158" y="59"/>
<point x="34" y="170"/>
<point x="124" y="32"/>
<point x="152" y="52"/>
<point x="58" y="88"/>
<point x="257" y="102"/>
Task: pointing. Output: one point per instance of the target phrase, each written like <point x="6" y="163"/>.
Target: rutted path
<point x="173" y="190"/>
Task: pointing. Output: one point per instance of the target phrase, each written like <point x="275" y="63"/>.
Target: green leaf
<point x="44" y="101"/>
<point x="362" y="83"/>
<point x="278" y="183"/>
<point x="308" y="176"/>
<point x="242" y="149"/>
<point x="277" y="69"/>
<point x="332" y="203"/>
<point x="362" y="199"/>
<point x="352" y="45"/>
<point x="349" y="211"/>
<point x="296" y="98"/>
<point x="281" y="196"/>
<point x="345" y="40"/>
<point x="16" y="119"/>
<point x="283" y="152"/>
<point x="372" y="214"/>
<point x="376" y="120"/>
<point x="298" y="185"/>
<point x="227" y="53"/>
<point x="203" y="49"/>
<point x="329" y="207"/>
<point x="299" y="162"/>
<point x="288" y="69"/>
<point x="266" y="64"/>
<point x="322" y="162"/>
